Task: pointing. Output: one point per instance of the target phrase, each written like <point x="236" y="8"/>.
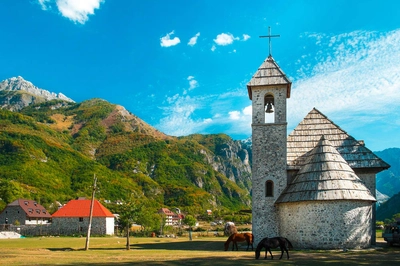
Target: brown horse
<point x="248" y="237"/>
<point x="273" y="242"/>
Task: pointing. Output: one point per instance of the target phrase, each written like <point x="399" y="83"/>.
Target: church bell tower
<point x="268" y="90"/>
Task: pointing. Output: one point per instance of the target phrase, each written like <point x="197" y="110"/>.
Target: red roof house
<point x="81" y="208"/>
<point x="73" y="218"/>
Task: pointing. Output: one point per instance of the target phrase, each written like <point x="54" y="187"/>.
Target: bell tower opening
<point x="269" y="107"/>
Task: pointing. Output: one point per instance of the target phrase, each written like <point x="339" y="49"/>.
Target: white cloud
<point x="184" y="115"/>
<point x="166" y="41"/>
<point x="225" y="39"/>
<point x="248" y="110"/>
<point x="178" y="119"/>
<point x="246" y="37"/>
<point x="193" y="40"/>
<point x="44" y="4"/>
<point x="213" y="48"/>
<point x="234" y="115"/>
<point x="192" y="83"/>
<point x="78" y="10"/>
<point x="356" y="72"/>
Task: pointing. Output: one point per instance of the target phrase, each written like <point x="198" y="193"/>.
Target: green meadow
<point x="173" y="251"/>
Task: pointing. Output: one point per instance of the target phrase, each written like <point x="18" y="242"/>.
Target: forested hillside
<point x="50" y="152"/>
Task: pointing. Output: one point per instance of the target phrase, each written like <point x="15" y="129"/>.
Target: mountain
<point x="17" y="93"/>
<point x="388" y="181"/>
<point x="387" y="209"/>
<point x="50" y="149"/>
<point x="381" y="197"/>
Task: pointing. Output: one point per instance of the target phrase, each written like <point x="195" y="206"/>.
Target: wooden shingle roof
<point x="307" y="134"/>
<point x="269" y="73"/>
<point x="325" y="175"/>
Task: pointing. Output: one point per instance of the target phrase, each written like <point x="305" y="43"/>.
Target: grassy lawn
<point x="168" y="251"/>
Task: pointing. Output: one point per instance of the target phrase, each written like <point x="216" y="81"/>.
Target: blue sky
<point x="183" y="66"/>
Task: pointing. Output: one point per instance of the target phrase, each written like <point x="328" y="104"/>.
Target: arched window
<point x="269" y="188"/>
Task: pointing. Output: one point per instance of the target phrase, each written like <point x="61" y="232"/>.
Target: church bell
<point x="269" y="108"/>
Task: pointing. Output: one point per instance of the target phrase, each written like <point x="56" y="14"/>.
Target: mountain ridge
<point x="12" y="99"/>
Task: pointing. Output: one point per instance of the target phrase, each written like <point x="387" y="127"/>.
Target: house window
<point x="80" y="219"/>
<point x="269" y="188"/>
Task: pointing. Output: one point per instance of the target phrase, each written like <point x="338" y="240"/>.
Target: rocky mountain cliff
<point x="17" y="93"/>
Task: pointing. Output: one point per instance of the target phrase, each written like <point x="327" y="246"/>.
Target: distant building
<point x="73" y="218"/>
<point x="171" y="218"/>
<point x="24" y="212"/>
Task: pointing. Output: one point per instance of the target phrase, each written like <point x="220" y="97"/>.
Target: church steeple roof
<point x="307" y="134"/>
<point x="325" y="176"/>
<point x="269" y="73"/>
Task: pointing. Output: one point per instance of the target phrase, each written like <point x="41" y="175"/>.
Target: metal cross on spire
<point x="269" y="36"/>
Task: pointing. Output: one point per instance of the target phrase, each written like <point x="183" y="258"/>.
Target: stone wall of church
<point x="269" y="164"/>
<point x="369" y="180"/>
<point x="327" y="224"/>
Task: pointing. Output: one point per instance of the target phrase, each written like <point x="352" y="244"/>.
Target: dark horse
<point x="274" y="242"/>
<point x="248" y="237"/>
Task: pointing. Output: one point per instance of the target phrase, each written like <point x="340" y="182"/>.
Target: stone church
<point x="316" y="186"/>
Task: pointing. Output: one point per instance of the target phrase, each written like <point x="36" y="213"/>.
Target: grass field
<point x="168" y="251"/>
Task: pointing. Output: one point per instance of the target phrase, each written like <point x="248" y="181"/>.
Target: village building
<point x="316" y="186"/>
<point x="170" y="217"/>
<point x="24" y="212"/>
<point x="73" y="218"/>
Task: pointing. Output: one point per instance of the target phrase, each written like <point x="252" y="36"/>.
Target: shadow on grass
<point x="182" y="245"/>
<point x="214" y="261"/>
